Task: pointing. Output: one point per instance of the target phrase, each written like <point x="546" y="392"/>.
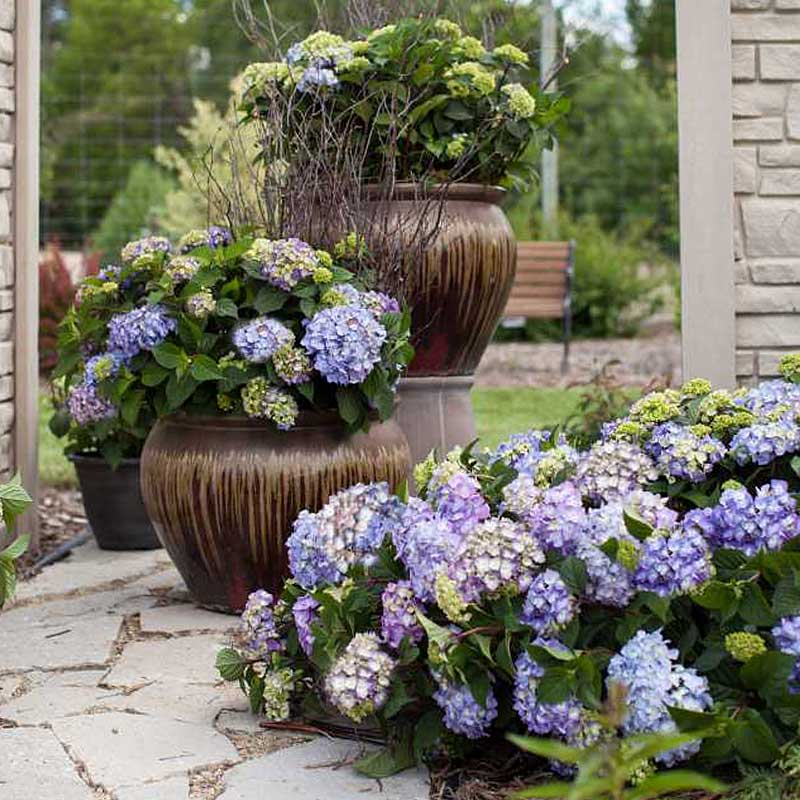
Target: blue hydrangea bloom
<point x="787" y="635"/>
<point x="765" y="441"/>
<point x="652" y="508"/>
<point x="141" y="329"/>
<point x="548" y="604"/>
<point x="611" y="470"/>
<point x="259" y="339"/>
<point x="771" y="395"/>
<point x="103" y="366"/>
<point x="86" y="405"/>
<point x="673" y="563"/>
<point x="317" y="76"/>
<point x="545" y="719"/>
<point x="344" y="343"/>
<point x="463" y="714"/>
<point x="348" y="530"/>
<point x="558" y="520"/>
<point x="461" y="503"/>
<point x="259" y="633"/>
<point x="399" y="618"/>
<point x="680" y="453"/>
<point x="521" y="451"/>
<point x="304" y="612"/>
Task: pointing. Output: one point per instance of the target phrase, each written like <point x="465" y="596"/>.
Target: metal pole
<point x="547" y="59"/>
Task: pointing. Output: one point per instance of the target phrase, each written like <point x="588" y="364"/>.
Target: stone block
<point x="169" y="789"/>
<point x="744" y="170"/>
<point x="6" y="387"/>
<point x="5" y="178"/>
<point x="776" y="272"/>
<point x="185" y="617"/>
<point x="765" y="129"/>
<point x="780" y="182"/>
<point x="765" y="27"/>
<point x="6" y="417"/>
<point x="745" y="363"/>
<point x="759" y="99"/>
<point x="767" y="299"/>
<point x="7" y="14"/>
<point x="779" y="155"/>
<point x="6" y="47"/>
<point x="749" y="5"/>
<point x="793" y="113"/>
<point x="5" y="216"/>
<point x="6" y="75"/>
<point x="768" y="361"/>
<point x="771" y="226"/>
<point x="35" y="765"/>
<point x="6" y="128"/>
<point x="6" y="266"/>
<point x="6" y="155"/>
<point x="787" y="5"/>
<point x="779" y="62"/>
<point x="6" y="326"/>
<point x="7" y="99"/>
<point x="768" y="330"/>
<point x="740" y="272"/>
<point x="6" y="358"/>
<point x="744" y="62"/>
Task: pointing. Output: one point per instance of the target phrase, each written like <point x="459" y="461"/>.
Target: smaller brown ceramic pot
<point x="223" y="492"/>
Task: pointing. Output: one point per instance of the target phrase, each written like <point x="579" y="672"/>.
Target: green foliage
<point x="136" y="210"/>
<point x="13" y="502"/>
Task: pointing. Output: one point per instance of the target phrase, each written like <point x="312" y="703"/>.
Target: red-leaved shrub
<point x="55" y="296"/>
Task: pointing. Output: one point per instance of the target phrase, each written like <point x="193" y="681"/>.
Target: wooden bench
<point x="543" y="285"/>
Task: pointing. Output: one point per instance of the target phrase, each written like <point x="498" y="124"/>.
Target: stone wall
<point x="766" y="131"/>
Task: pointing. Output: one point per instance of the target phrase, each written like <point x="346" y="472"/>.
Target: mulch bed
<point x="61" y="519"/>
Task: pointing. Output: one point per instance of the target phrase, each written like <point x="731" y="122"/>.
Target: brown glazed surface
<point x="459" y="290"/>
<point x="223" y="492"/>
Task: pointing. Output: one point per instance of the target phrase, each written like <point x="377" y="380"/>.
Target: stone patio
<point x="108" y="691"/>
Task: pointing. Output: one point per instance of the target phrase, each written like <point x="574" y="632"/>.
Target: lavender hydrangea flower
<point x="259" y="339"/>
<point x="611" y="470"/>
<point x="546" y="719"/>
<point x="765" y="441"/>
<point x="292" y="365"/>
<point x="460" y="502"/>
<point x="316" y="77"/>
<point x="521" y="497"/>
<point x="463" y="714"/>
<point x="146" y="246"/>
<point x="399" y="619"/>
<point x="680" y="453"/>
<point x="496" y="555"/>
<point x="673" y="563"/>
<point x="344" y="343"/>
<point x="213" y="237"/>
<point x="746" y="523"/>
<point x="521" y="451"/>
<point x="559" y="519"/>
<point x="348" y="530"/>
<point x="182" y="269"/>
<point x="102" y="366"/>
<point x="86" y="405"/>
<point x="548" y="604"/>
<point x="787" y="635"/>
<point x="304" y="612"/>
<point x="260" y="400"/>
<point x="140" y="329"/>
<point x="646" y="667"/>
<point x="771" y="395"/>
<point x="258" y="632"/>
<point x="652" y="508"/>
<point x="358" y="682"/>
<point x="284" y="262"/>
<point x="379" y="303"/>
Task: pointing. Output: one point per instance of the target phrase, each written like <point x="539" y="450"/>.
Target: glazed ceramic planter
<point x="223" y="492"/>
<point x="113" y="503"/>
<point x="457" y="291"/>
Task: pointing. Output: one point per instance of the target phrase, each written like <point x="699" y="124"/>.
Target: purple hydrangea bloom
<point x="521" y="451"/>
<point x="259" y="339"/>
<point x="463" y="714"/>
<point x="546" y="719"/>
<point x="680" y="453"/>
<point x="522" y="497"/>
<point x="548" y="604"/>
<point x="141" y="247"/>
<point x="284" y="262"/>
<point x="111" y="272"/>
<point x="611" y="470"/>
<point x="652" y="508"/>
<point x="258" y="632"/>
<point x="304" y="612"/>
<point x="102" y="366"/>
<point x="763" y="442"/>
<point x="344" y="343"/>
<point x="141" y="329"/>
<point x="358" y="682"/>
<point x="673" y="563"/>
<point x="379" y="303"/>
<point x="399" y="619"/>
<point x="213" y="237"/>
<point x="348" y="530"/>
<point x="559" y="519"/>
<point x="746" y="523"/>
<point x="646" y="667"/>
<point x="86" y="405"/>
<point x="461" y="503"/>
<point x="787" y="635"/>
<point x="771" y="395"/>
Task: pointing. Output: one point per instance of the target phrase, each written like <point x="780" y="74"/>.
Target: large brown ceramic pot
<point x="457" y="290"/>
<point x="223" y="492"/>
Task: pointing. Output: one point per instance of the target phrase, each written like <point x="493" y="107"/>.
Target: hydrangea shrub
<point x="509" y="597"/>
<point x="264" y="328"/>
<point x="421" y="89"/>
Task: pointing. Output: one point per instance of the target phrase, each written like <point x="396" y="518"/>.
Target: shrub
<point x="136" y="210"/>
<point x="55" y="297"/>
<point x="13" y="501"/>
<point x="525" y="583"/>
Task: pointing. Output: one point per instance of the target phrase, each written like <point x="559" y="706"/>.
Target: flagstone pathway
<point x="108" y="691"/>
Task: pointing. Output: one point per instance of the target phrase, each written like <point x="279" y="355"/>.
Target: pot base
<point x="436" y="413"/>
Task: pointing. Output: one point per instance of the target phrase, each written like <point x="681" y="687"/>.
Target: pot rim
<point x="306" y="420"/>
<point x="415" y="190"/>
<point x="96" y="458"/>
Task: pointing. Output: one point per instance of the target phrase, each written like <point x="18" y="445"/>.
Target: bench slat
<point x="541" y="281"/>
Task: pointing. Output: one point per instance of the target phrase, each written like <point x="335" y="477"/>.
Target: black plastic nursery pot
<point x="114" y="505"/>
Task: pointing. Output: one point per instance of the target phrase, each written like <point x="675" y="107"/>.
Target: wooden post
<point x="547" y="59"/>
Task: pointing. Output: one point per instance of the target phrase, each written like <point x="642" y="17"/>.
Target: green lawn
<point x="499" y="412"/>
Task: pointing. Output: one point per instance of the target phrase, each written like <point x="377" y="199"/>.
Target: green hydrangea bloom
<point x="471" y="47"/>
<point x="201" y="304"/>
<point x="727" y="424"/>
<point x="697" y="387"/>
<point x="629" y="431"/>
<point x="350" y="247"/>
<point x="447" y="29"/>
<point x="359" y="48"/>
<point x="700" y="429"/>
<point x="731" y="484"/>
<point x="628" y="554"/>
<point x="385" y="30"/>
<point x="322" y="44"/>
<point x="225" y="403"/>
<point x="551" y="465"/>
<point x="512" y="54"/>
<point x="457" y="146"/>
<point x="278" y="686"/>
<point x="717" y="402"/>
<point x="744" y="646"/>
<point x="258" y="77"/>
<point x="322" y="275"/>
<point x="521" y="103"/>
<point x="655" y="408"/>
<point x="478" y="79"/>
<point x="423" y="472"/>
<point x="324" y="258"/>
<point x="789" y="367"/>
<point x="449" y="599"/>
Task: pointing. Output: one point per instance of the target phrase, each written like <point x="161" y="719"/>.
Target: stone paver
<point x="188" y="659"/>
<point x="170" y="789"/>
<point x="34" y="766"/>
<point x="185" y="617"/>
<point x="304" y="772"/>
<point x="120" y="749"/>
<point x="243" y="721"/>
